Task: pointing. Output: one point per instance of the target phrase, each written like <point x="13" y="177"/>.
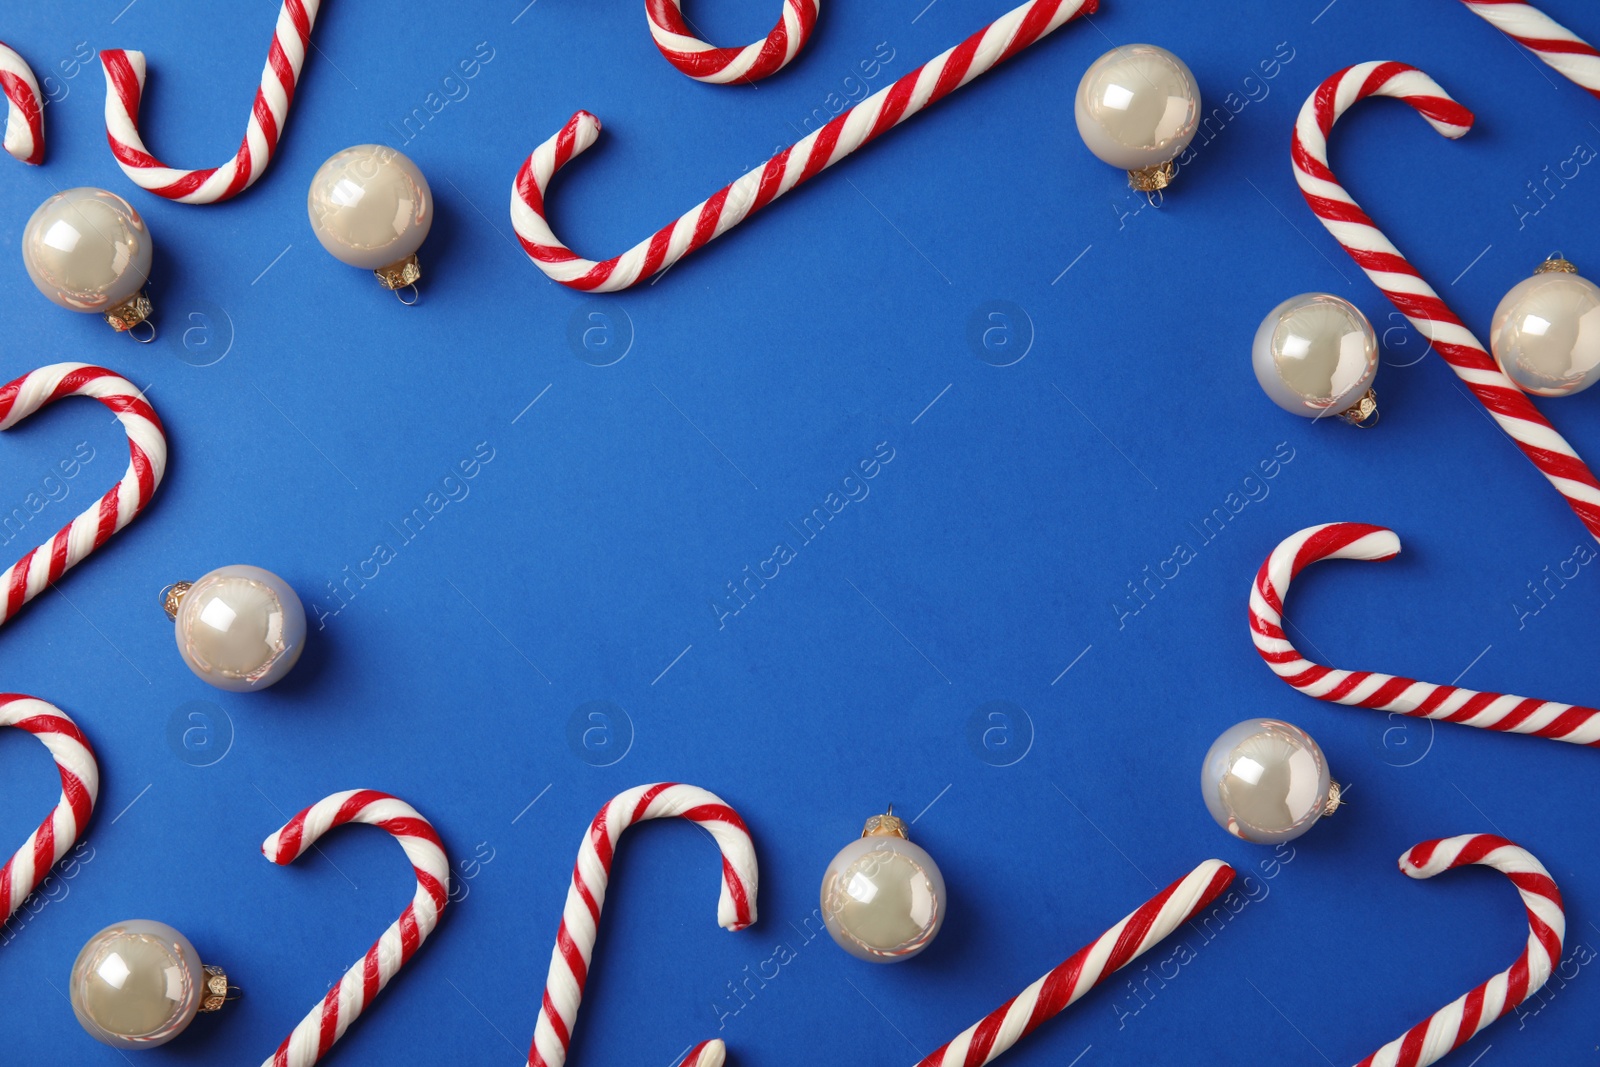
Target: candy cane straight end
<point x="1553" y="43"/>
<point x="24" y="136"/>
<point x="711" y="1053"/>
<point x="1457" y="1022"/>
<point x="1052" y="994"/>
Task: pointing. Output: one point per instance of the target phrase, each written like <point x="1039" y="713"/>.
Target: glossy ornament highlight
<point x="1267" y="781"/>
<point x="239" y="628"/>
<point x="1137" y="108"/>
<point x="371" y="207"/>
<point x="1316" y="355"/>
<point x="883" y="898"/>
<point x="139" y="984"/>
<point x="1546" y="332"/>
<point x="89" y="251"/>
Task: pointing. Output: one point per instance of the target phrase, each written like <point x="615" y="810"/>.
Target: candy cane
<point x="1385" y="692"/>
<point x="24" y="113"/>
<point x="327" y="1022"/>
<point x="147" y="449"/>
<point x="1454" y="1024"/>
<point x="125" y="73"/>
<point x="880" y="112"/>
<point x="1087" y="968"/>
<point x="80" y="788"/>
<point x="1552" y="42"/>
<point x="1400" y="281"/>
<point x="580" y="917"/>
<point x="707" y="63"/>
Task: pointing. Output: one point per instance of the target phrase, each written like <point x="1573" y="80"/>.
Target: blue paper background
<point x="581" y="565"/>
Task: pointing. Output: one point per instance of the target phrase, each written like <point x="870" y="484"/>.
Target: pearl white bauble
<point x="240" y="628"/>
<point x="136" y="985"/>
<point x="1266" y="781"/>
<point x="883" y="898"/>
<point x="1138" y="106"/>
<point x="1546" y="334"/>
<point x="87" y="250"/>
<point x="1315" y="355"/>
<point x="370" y="206"/>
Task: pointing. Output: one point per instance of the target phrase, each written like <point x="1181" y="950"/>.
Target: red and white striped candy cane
<point x="327" y="1022"/>
<point x="878" y="113"/>
<point x="1401" y="283"/>
<point x="580" y="917"/>
<point x="80" y="788"/>
<point x="147" y="462"/>
<point x="125" y="75"/>
<point x="1552" y="42"/>
<point x="707" y="63"/>
<point x="24" y="112"/>
<point x="1454" y="1024"/>
<point x="1087" y="968"/>
<point x="1385" y="692"/>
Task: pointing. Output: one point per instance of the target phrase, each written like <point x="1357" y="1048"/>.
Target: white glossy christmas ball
<point x="1138" y="107"/>
<point x="883" y="898"/>
<point x="139" y="984"/>
<point x="1316" y="354"/>
<point x="1546" y="332"/>
<point x="89" y="251"/>
<point x="239" y="628"/>
<point x="371" y="208"/>
<point x="1267" y="781"/>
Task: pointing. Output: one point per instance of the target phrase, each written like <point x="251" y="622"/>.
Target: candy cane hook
<point x="1454" y="1024"/>
<point x="711" y="218"/>
<point x="24" y="113"/>
<point x="580" y="917"/>
<point x="327" y="1022"/>
<point x="707" y="63"/>
<point x="147" y="462"/>
<point x="1088" y="967"/>
<point x="80" y="788"/>
<point x="1385" y="692"/>
<point x="125" y="73"/>
<point x="1557" y="46"/>
<point x="1401" y="283"/>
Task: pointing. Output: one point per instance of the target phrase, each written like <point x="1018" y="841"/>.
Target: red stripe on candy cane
<point x="125" y="77"/>
<point x="1457" y="1022"/>
<point x="353" y="994"/>
<point x="580" y="917"/>
<point x="1557" y="46"/>
<point x="147" y="463"/>
<point x="1386" y="692"/>
<point x="1405" y="287"/>
<point x="1119" y="946"/>
<point x="80" y="788"/>
<point x="720" y="66"/>
<point x="728" y="207"/>
<point x="24" y="136"/>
